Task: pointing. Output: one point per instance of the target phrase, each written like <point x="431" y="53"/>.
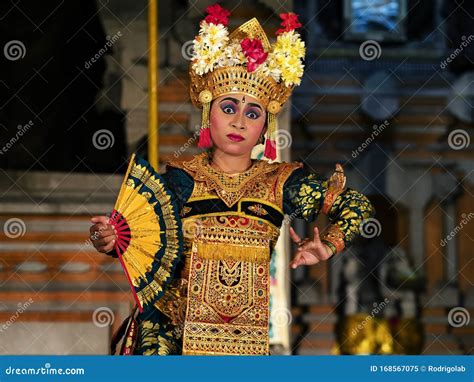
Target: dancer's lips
<point x="235" y="137"/>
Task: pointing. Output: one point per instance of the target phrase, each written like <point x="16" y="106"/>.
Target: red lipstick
<point x="235" y="137"/>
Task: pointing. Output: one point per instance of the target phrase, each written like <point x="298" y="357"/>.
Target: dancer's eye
<point x="228" y="108"/>
<point x="253" y="114"/>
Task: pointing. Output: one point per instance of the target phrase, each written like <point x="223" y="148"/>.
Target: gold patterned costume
<point x="219" y="300"/>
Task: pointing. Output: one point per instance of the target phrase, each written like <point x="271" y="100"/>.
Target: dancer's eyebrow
<point x="256" y="105"/>
<point x="235" y="100"/>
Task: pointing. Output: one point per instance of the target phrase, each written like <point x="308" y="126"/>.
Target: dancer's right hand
<point x="103" y="234"/>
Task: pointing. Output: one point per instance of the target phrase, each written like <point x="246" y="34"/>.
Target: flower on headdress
<point x="208" y="47"/>
<point x="288" y="53"/>
<point x="253" y="50"/>
<point x="232" y="55"/>
<point x="213" y="49"/>
<point x="217" y="15"/>
<point x="292" y="71"/>
<point x="291" y="44"/>
<point x="289" y="22"/>
<point x="270" y="68"/>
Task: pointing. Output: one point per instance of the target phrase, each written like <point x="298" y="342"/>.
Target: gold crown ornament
<point x="244" y="61"/>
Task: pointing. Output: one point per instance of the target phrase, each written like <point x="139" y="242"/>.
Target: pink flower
<point x="290" y="22"/>
<point x="253" y="51"/>
<point x="217" y="15"/>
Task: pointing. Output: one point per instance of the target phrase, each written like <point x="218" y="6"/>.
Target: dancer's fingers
<point x="294" y="235"/>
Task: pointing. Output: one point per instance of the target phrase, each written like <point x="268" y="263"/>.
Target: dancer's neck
<point x="230" y="164"/>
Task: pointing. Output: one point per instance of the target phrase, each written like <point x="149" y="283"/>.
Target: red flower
<point x="217" y="15"/>
<point x="253" y="51"/>
<point x="290" y="22"/>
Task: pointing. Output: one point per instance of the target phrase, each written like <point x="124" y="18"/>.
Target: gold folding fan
<point x="149" y="240"/>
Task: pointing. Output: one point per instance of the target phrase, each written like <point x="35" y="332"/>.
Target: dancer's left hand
<point x="309" y="251"/>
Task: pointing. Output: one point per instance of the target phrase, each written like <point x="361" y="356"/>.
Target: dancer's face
<point x="237" y="120"/>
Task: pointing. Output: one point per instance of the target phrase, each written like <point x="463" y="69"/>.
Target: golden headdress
<point x="245" y="62"/>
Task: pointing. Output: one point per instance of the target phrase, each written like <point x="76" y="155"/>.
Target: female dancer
<point x="232" y="207"/>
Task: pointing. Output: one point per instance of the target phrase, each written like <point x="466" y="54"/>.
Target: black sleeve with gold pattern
<point x="348" y="211"/>
<point x="303" y="197"/>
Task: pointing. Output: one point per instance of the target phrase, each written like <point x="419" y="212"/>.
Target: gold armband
<point x="334" y="238"/>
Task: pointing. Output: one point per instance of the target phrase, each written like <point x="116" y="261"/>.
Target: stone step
<point x="63" y="305"/>
<point x="40" y="238"/>
<point x="165" y="117"/>
<point x="467" y="331"/>
<point x="173" y="94"/>
<point x="322" y="309"/>
<point x="436" y="328"/>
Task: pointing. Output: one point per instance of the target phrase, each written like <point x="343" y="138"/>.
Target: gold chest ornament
<point x="230" y="225"/>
